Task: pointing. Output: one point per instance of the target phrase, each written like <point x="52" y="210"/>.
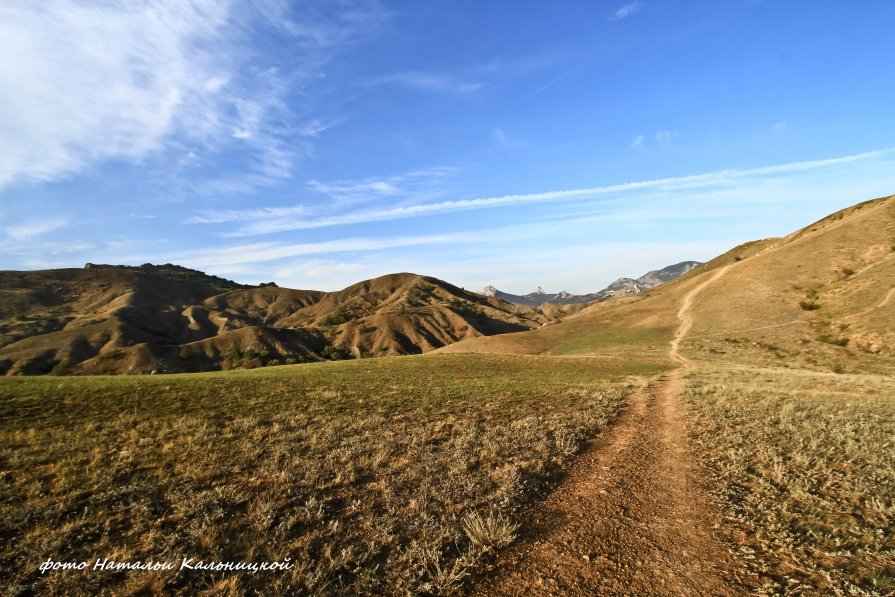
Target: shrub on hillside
<point x="339" y="317"/>
<point x="63" y="367"/>
<point x="333" y="354"/>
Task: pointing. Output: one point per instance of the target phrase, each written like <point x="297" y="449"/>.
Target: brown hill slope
<point x="821" y="297"/>
<point x="780" y="406"/>
<point x="47" y="317"/>
<point x="116" y="319"/>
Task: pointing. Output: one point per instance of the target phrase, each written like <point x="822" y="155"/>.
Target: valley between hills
<point x="726" y="432"/>
<point x="114" y="319"/>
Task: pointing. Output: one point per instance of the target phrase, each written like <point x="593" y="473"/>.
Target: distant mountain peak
<point x="621" y="287"/>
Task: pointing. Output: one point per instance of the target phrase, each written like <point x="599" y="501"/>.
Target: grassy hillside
<point x="640" y="325"/>
<point x="791" y="401"/>
<point x="818" y="298"/>
<point x="374" y="476"/>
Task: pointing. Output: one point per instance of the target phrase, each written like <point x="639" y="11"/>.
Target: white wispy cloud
<point x="779" y="126"/>
<point x="316" y="126"/>
<point x="663" y="138"/>
<point x="575" y="245"/>
<point x="626" y="11"/>
<point x="322" y="28"/>
<point x="264" y="252"/>
<point x="33" y="228"/>
<point x="86" y="82"/>
<point x="232" y="215"/>
<point x="355" y="191"/>
<point x="422" y="81"/>
<point x="420" y="184"/>
<point x="269" y="225"/>
<point x="505" y="140"/>
<point x="425" y="182"/>
<point x="666" y="137"/>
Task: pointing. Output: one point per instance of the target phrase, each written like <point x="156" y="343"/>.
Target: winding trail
<point x="887" y="299"/>
<point x="880" y="305"/>
<point x="631" y="517"/>
<point x="685" y="316"/>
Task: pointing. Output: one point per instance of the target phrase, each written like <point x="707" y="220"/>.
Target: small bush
<point x="809" y="305"/>
<point x="339" y="317"/>
<point x="489" y="532"/>
<point x="333" y="354"/>
<point x="467" y="309"/>
<point x="63" y="367"/>
<point x="567" y="443"/>
<point x="834" y="340"/>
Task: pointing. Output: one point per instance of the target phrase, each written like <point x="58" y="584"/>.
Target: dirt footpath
<point x="631" y="518"/>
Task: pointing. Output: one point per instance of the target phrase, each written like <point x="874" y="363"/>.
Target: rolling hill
<point x="117" y="319"/>
<point x="821" y="297"/>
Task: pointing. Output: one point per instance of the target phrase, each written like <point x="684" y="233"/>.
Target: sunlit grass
<point x="803" y="465"/>
<point x="375" y="476"/>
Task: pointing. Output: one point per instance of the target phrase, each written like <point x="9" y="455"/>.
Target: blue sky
<point x="315" y="144"/>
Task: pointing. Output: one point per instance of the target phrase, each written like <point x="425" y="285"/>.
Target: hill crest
<point x="168" y="318"/>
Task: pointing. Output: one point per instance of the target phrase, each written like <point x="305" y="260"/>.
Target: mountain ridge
<point x="620" y="288"/>
<point x="144" y="319"/>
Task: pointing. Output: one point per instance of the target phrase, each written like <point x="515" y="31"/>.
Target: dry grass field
<point x="802" y="465"/>
<point x="377" y="476"/>
<point x="792" y="404"/>
<point x="407" y="475"/>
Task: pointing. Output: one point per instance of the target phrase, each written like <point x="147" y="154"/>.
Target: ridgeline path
<point x="630" y="518"/>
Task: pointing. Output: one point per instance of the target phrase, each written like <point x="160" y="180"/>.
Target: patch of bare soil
<point x="631" y="517"/>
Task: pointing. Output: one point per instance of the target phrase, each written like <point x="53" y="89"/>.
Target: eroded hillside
<point x="113" y="319"/>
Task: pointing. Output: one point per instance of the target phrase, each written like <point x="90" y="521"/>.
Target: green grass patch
<point x="600" y="339"/>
